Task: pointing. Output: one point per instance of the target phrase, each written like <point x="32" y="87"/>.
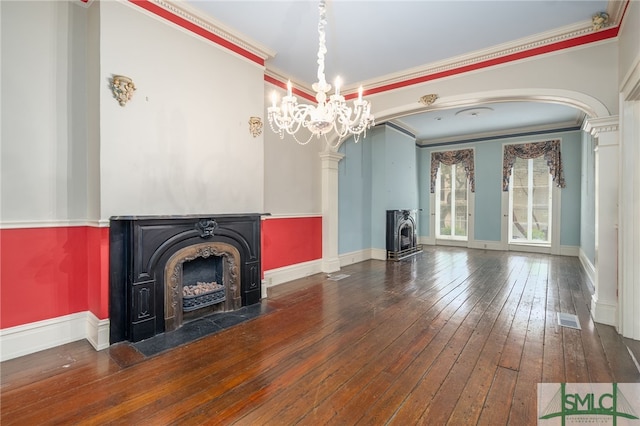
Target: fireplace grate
<point x="191" y="303"/>
<point x="403" y="254"/>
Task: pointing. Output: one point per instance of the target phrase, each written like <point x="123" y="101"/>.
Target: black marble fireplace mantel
<point x="139" y="249"/>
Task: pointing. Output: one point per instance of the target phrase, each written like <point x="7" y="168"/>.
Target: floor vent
<point x="337" y="277"/>
<point x="568" y="320"/>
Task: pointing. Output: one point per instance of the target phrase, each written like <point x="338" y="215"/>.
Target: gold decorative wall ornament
<point x="600" y="20"/>
<point x="122" y="88"/>
<point x="255" y="126"/>
<point x="428" y="99"/>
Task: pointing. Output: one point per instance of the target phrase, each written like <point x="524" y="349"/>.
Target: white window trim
<point x="471" y="201"/>
<point x="556" y="214"/>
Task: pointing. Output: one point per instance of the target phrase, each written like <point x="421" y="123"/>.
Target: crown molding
<point x="579" y="34"/>
<point x="559" y="39"/>
<point x="501" y="134"/>
<point x="187" y="17"/>
<point x="83" y="3"/>
<point x="595" y="126"/>
<point x="616" y="9"/>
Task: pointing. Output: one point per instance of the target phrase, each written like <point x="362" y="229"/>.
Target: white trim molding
<point x="604" y="304"/>
<point x="291" y="216"/>
<point x="486" y="245"/>
<point x="604" y="312"/>
<point x="329" y="183"/>
<point x="37" y="336"/>
<point x="427" y="240"/>
<point x="378" y="254"/>
<point x="69" y="223"/>
<point x="97" y="331"/>
<point x="355" y="257"/>
<point x="588" y="267"/>
<point x="274" y="277"/>
<point x="197" y="18"/>
<point x="595" y="126"/>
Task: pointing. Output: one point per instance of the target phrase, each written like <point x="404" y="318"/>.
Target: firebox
<point x="166" y="270"/>
<point x="402" y="234"/>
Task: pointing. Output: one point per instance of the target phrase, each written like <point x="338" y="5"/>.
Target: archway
<point x="598" y="119"/>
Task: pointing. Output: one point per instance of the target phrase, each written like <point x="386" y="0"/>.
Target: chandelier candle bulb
<point x="328" y="115"/>
<point x="274" y="99"/>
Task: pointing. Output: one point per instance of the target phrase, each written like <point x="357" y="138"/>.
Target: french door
<point x="452" y="203"/>
<point x="532" y="204"/>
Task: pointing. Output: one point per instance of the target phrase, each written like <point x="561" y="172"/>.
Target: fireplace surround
<point x="402" y="234"/>
<point x="153" y="257"/>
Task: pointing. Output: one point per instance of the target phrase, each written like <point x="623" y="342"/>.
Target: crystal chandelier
<point x="332" y="114"/>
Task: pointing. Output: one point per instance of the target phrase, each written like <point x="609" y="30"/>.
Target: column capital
<point x="598" y="125"/>
<point x="331" y="156"/>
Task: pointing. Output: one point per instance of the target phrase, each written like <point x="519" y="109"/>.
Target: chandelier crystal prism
<point x="329" y="114"/>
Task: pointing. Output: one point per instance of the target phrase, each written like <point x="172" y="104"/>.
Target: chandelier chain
<point x="322" y="48"/>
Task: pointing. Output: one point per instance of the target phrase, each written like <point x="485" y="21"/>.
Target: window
<point x="451" y="202"/>
<point x="530" y="202"/>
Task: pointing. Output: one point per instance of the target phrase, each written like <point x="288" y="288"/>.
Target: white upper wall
<point x="44" y="113"/>
<point x="291" y="171"/>
<point x="182" y="145"/>
<point x="629" y="45"/>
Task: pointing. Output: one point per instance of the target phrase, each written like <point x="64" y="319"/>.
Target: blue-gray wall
<point x="570" y="208"/>
<point x="588" y="200"/>
<point x="488" y="196"/>
<point x="355" y="195"/>
<point x="388" y="171"/>
<point x="377" y="174"/>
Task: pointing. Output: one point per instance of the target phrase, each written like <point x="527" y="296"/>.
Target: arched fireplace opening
<point x="200" y="280"/>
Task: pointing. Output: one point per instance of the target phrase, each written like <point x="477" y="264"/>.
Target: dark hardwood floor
<point x="449" y="336"/>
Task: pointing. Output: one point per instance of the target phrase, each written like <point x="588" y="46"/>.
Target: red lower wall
<point x="288" y="241"/>
<point x="98" y="271"/>
<point x="51" y="272"/>
<point x="43" y="275"/>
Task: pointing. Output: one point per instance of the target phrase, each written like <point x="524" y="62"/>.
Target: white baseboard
<point x="604" y="312"/>
<point x="354" y="257"/>
<point x="486" y="245"/>
<point x="588" y="267"/>
<point x="37" y="336"/>
<point x="378" y="254"/>
<point x="97" y="331"/>
<point x="331" y="264"/>
<point x="427" y="241"/>
<point x="285" y="274"/>
<point x="570" y="251"/>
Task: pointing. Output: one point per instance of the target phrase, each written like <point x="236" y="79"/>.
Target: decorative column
<point x="604" y="302"/>
<point x="629" y="237"/>
<point x="330" y="260"/>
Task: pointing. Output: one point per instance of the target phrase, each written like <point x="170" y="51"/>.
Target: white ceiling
<point x="373" y="41"/>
